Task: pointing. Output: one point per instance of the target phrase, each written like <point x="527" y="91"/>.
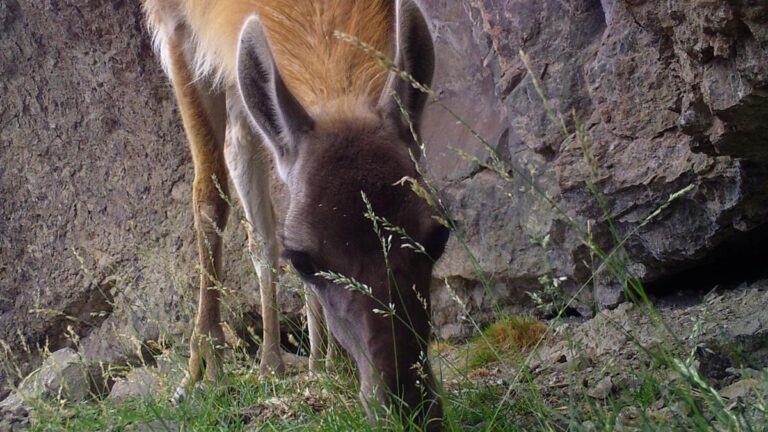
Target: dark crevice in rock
<point x="477" y="169"/>
<point x="294" y="334"/>
<point x="637" y="22"/>
<point x="741" y="258"/>
<point x="745" y="133"/>
<point x="510" y="80"/>
<point x="502" y="146"/>
<point x="696" y="116"/>
<point x="82" y="316"/>
<point x="548" y="153"/>
<point x="665" y="131"/>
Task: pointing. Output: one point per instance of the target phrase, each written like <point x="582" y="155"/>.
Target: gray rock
<point x="154" y="426"/>
<point x="63" y="372"/>
<point x="740" y="389"/>
<point x="602" y="389"/>
<point x="13" y="406"/>
<point x="63" y="375"/>
<point x="14" y="425"/>
<point x="138" y="383"/>
<point x="668" y="95"/>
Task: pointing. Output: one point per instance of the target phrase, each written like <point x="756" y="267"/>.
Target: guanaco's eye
<point x="302" y="262"/>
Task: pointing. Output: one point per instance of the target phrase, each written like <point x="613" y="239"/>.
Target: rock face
<point x="95" y="221"/>
<point x="666" y="96"/>
<point x="96" y="226"/>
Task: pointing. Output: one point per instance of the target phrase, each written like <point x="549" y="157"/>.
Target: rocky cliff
<point x="96" y="235"/>
<point x="96" y="238"/>
<point x="666" y="96"/>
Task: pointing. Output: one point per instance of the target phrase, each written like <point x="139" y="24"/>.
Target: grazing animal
<point x="254" y="77"/>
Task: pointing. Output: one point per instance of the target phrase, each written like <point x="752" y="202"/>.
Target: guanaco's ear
<point x="271" y="108"/>
<point x="414" y="54"/>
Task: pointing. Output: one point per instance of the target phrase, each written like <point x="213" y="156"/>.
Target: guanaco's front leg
<point x="203" y="113"/>
<point x="249" y="167"/>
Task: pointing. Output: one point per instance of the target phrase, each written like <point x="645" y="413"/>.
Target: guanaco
<point x="261" y="78"/>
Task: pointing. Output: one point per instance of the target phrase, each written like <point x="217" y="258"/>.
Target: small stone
<point x="12" y="406"/>
<point x="608" y="296"/>
<point x="628" y="413"/>
<point x="680" y="409"/>
<point x="65" y="370"/>
<point x="739" y="389"/>
<point x="139" y="382"/>
<point x="23" y="424"/>
<point x="746" y="373"/>
<point x="295" y="362"/>
<point x="602" y="389"/>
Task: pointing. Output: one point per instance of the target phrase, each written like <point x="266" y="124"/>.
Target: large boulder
<point x="64" y="374"/>
<point x="664" y="97"/>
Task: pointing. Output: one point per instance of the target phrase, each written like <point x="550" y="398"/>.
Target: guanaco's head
<point x="343" y="180"/>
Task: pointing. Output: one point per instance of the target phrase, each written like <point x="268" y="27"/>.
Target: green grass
<point x="298" y="403"/>
<point x="503" y="340"/>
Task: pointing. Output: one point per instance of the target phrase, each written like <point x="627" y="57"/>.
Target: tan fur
<point x="202" y="115"/>
<point x="317" y="67"/>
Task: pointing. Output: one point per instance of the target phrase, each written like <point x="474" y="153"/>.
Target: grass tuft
<point x="504" y="340"/>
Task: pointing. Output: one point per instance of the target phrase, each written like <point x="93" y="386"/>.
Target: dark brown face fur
<point x="326" y="230"/>
<point x="326" y="168"/>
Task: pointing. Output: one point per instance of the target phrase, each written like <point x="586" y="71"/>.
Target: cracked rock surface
<point x="667" y="96"/>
